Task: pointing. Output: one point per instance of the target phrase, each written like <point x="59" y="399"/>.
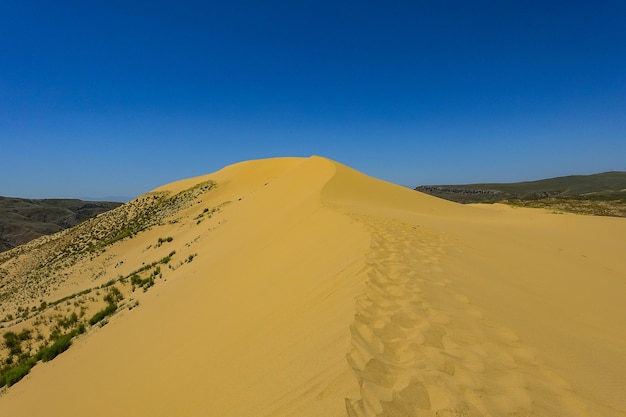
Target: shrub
<point x="148" y="283"/>
<point x="13" y="342"/>
<point x="108" y="283"/>
<point x="163" y="240"/>
<point x="113" y="296"/>
<point x="25" y="334"/>
<point x="100" y="315"/>
<point x="12" y="375"/>
<point x="143" y="283"/>
<point x="135" y="280"/>
<point x="59" y="346"/>
<point x="67" y="322"/>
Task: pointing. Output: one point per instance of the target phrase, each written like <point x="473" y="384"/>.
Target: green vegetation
<point x="13" y="343"/>
<point x="102" y="314"/>
<point x="57" y="323"/>
<point x="19" y="362"/>
<point x="109" y="283"/>
<point x="13" y="372"/>
<point x="9" y="375"/>
<point x="208" y="212"/>
<point x="112" y="297"/>
<point x="144" y="283"/>
<point x="68" y="322"/>
<point x="69" y="297"/>
<point x="597" y="205"/>
<point x="164" y="240"/>
<point x="599" y="194"/>
<point x="168" y="258"/>
<point x="59" y="346"/>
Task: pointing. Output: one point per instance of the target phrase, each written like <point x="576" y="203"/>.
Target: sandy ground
<point x="319" y="291"/>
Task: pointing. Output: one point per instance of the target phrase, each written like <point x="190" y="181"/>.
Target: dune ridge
<point x="317" y="290"/>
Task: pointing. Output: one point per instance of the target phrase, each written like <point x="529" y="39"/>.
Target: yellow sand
<point x="319" y="291"/>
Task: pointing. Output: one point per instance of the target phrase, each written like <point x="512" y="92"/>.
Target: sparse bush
<point x="163" y="240"/>
<point x="113" y="296"/>
<point x="68" y="322"/>
<point x="135" y="280"/>
<point x="108" y="283"/>
<point x="55" y="333"/>
<point x="145" y="283"/>
<point x="13" y="342"/>
<point x="166" y="259"/>
<point x="149" y="283"/>
<point x="25" y="334"/>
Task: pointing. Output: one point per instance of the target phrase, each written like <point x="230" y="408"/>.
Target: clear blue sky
<point x="114" y="98"/>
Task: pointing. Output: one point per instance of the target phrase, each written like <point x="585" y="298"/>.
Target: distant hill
<point x="22" y="220"/>
<point x="599" y="194"/>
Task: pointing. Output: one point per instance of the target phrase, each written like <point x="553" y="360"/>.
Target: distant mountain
<point x="600" y="194"/>
<point x="22" y="220"/>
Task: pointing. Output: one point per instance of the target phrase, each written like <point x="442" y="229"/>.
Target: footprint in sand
<point x="421" y="348"/>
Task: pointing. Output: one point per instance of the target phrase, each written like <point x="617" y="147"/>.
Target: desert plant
<point x="113" y="296"/>
<point x="59" y="346"/>
<point x="102" y="314"/>
<point x="164" y="240"/>
<point x="68" y="322"/>
<point x="11" y="375"/>
<point x="13" y="342"/>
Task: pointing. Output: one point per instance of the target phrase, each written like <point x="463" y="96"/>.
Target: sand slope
<point x="319" y="291"/>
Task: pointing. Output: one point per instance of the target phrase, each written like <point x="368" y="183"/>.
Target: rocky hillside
<point x="22" y="220"/>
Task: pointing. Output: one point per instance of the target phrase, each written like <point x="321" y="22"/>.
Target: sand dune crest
<point x="319" y="291"/>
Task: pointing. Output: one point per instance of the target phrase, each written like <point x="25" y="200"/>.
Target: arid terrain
<point x="300" y="287"/>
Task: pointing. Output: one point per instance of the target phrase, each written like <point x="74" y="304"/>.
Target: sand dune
<point x="318" y="291"/>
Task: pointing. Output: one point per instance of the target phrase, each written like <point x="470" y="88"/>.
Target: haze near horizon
<point x="116" y="99"/>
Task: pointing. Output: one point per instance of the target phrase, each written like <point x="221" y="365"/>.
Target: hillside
<point x="22" y="220"/>
<point x="598" y="194"/>
<point x="298" y="286"/>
